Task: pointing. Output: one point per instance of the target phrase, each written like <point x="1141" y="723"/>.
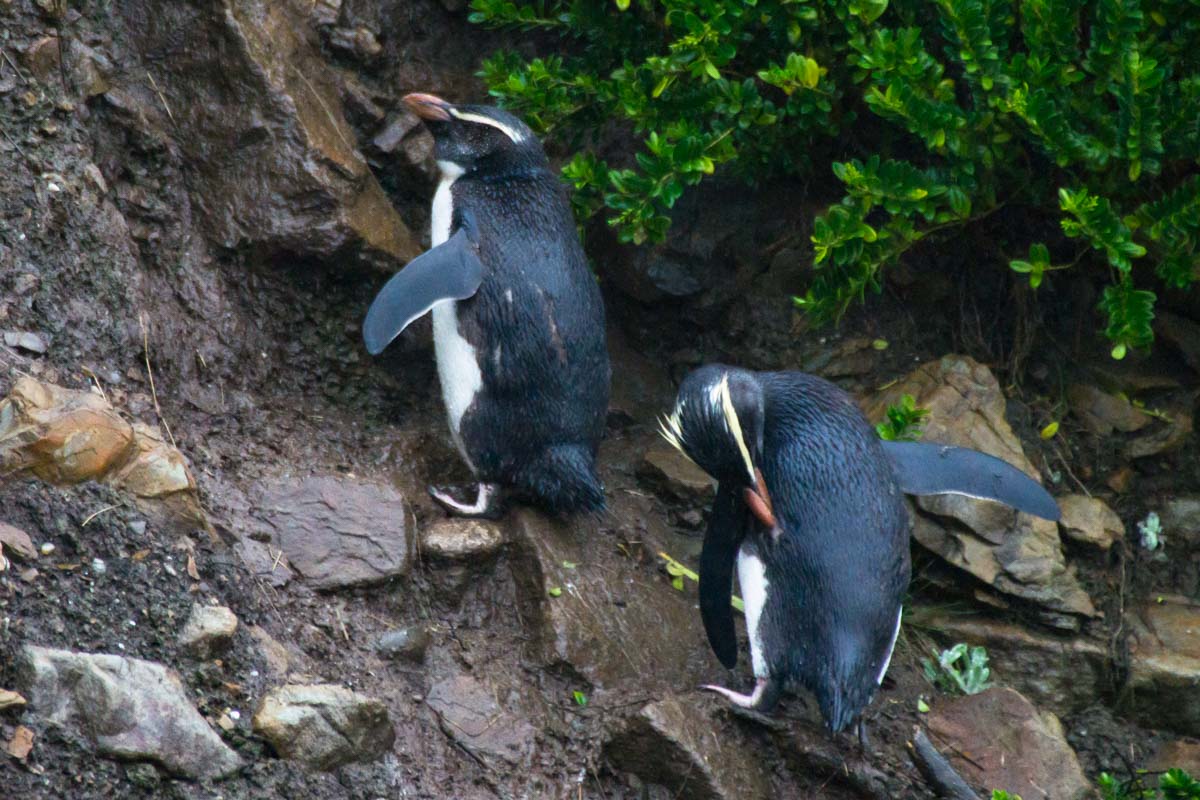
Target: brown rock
<point x="1090" y="520"/>
<point x="1181" y="518"/>
<point x="21" y="743"/>
<point x="669" y="472"/>
<point x="1102" y="412"/>
<point x="1181" y="333"/>
<point x="1181" y="754"/>
<point x="208" y="631"/>
<point x="1164" y="664"/>
<point x="339" y="533"/>
<point x="255" y="112"/>
<point x="17" y="542"/>
<point x="1170" y="434"/>
<point x="1064" y="674"/>
<point x="998" y="740"/>
<point x="603" y="617"/>
<point x="358" y="42"/>
<point x="1015" y="553"/>
<point x="470" y="715"/>
<point x="42" y="58"/>
<point x="672" y="743"/>
<point x="274" y="654"/>
<point x="65" y="437"/>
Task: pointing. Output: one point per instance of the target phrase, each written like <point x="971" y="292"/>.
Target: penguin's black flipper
<point x="922" y="468"/>
<point x="726" y="527"/>
<point x="450" y="271"/>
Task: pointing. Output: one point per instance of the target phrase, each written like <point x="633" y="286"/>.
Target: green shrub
<point x="1174" y="784"/>
<point x="904" y="421"/>
<point x="1086" y="111"/>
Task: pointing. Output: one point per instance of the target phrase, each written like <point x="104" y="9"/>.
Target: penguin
<point x="809" y="509"/>
<point x="518" y="320"/>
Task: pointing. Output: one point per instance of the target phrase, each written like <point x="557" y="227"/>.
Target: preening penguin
<point x="518" y="321"/>
<point x="809" y="508"/>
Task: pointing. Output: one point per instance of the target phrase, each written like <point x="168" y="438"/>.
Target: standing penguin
<point x="809" y="507"/>
<point x="518" y="321"/>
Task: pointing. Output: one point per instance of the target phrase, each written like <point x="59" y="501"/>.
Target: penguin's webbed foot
<point x="487" y="503"/>
<point x="762" y="699"/>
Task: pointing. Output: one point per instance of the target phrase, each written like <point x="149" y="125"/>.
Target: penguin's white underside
<point x="752" y="578"/>
<point x="458" y="366"/>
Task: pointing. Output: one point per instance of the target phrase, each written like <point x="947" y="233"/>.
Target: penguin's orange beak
<point x="427" y="106"/>
<point x="759" y="501"/>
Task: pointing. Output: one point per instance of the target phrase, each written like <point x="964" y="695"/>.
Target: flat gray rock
<point x="127" y="708"/>
<point x="339" y="533"/>
<point x="324" y="726"/>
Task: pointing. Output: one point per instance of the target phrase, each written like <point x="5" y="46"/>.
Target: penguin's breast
<point x="754" y="584"/>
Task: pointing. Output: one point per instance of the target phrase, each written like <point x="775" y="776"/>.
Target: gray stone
<point x="408" y="643"/>
<point x="274" y="654"/>
<point x="28" y="341"/>
<point x="673" y="743"/>
<point x="1170" y="433"/>
<point x="998" y="740"/>
<point x="127" y="708"/>
<point x="1090" y="520"/>
<point x="470" y="715"/>
<point x="1180" y="518"/>
<point x="208" y="631"/>
<point x="339" y="533"/>
<point x="324" y="726"/>
<point x="461" y="539"/>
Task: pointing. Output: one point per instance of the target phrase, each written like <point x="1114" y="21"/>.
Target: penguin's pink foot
<point x="486" y="506"/>
<point x="763" y="698"/>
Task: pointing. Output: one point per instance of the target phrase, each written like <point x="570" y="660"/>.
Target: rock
<point x="255" y="113"/>
<point x="1181" y="333"/>
<point x="17" y="542"/>
<point x="65" y="437"/>
<point x="21" y="743"/>
<point x="1090" y="520"/>
<point x="672" y="743"/>
<point x="470" y="715"/>
<point x="326" y="12"/>
<point x="339" y="533"/>
<point x="42" y="58"/>
<point x="461" y="539"/>
<point x="607" y="617"/>
<point x="1180" y="518"/>
<point x="1102" y="413"/>
<point x="408" y="643"/>
<point x="670" y="473"/>
<point x="388" y="140"/>
<point x="127" y="708"/>
<point x="10" y="699"/>
<point x="998" y="740"/>
<point x="357" y="42"/>
<point x="274" y="654"/>
<point x="1164" y="664"/>
<point x="37" y="343"/>
<point x="1181" y="754"/>
<point x="1016" y="554"/>
<point x="1171" y="434"/>
<point x="89" y="72"/>
<point x="208" y="631"/>
<point x="324" y="726"/>
<point x="1064" y="674"/>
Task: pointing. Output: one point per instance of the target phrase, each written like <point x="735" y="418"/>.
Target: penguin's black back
<point x="537" y="323"/>
<point x="842" y="559"/>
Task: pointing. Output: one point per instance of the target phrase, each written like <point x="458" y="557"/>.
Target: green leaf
<point x="922" y="706"/>
<point x="555" y="591"/>
<point x="580" y="698"/>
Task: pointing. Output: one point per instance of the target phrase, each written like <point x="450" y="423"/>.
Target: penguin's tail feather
<point x="562" y="479"/>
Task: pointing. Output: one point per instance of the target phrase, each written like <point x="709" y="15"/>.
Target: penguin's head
<point x="717" y="422"/>
<point x="476" y="139"/>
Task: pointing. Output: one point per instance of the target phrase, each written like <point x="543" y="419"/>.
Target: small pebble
<point x="47" y="548"/>
<point x="98" y="566"/>
<point x="137" y="526"/>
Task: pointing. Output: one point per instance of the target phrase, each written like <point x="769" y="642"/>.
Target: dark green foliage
<point x="1086" y="111"/>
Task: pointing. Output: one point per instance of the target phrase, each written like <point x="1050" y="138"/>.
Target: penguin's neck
<point x="442" y="214"/>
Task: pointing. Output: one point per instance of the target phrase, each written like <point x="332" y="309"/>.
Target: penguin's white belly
<point x="458" y="367"/>
<point x="752" y="578"/>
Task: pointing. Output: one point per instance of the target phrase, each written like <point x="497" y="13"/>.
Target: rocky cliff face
<point x="220" y="574"/>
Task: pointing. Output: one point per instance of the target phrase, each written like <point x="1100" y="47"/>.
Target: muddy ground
<point x="107" y="247"/>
